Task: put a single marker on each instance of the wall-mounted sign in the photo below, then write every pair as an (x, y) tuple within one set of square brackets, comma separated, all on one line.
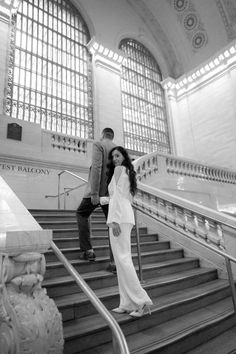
[(23, 169), (14, 131)]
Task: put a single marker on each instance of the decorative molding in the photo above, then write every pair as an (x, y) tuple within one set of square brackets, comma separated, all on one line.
[(105, 57), (7, 8), (227, 10), (200, 76), (191, 23)]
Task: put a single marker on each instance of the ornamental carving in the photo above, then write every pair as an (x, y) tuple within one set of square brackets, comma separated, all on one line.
[(227, 10), (190, 21), (30, 322)]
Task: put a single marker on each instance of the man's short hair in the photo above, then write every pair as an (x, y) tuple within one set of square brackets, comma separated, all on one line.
[(108, 133)]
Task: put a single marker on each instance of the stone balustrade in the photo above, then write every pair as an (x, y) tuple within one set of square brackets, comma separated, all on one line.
[(167, 164), (146, 165), (66, 143), (193, 169), (191, 219)]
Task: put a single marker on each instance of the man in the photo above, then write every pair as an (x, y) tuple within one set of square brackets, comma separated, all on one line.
[(96, 188)]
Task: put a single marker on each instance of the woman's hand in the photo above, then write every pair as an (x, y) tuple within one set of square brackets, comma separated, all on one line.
[(115, 229)]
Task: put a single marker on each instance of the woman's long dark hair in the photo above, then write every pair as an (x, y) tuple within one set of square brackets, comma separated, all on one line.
[(129, 168)]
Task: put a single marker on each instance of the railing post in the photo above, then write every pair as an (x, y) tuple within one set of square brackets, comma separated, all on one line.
[(64, 196), (138, 246), (231, 282), (58, 191)]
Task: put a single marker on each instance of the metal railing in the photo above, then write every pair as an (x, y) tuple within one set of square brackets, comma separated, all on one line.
[(138, 246), (67, 190), (118, 338)]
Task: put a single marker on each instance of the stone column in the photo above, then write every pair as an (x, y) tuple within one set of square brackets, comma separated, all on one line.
[(172, 113), (107, 90)]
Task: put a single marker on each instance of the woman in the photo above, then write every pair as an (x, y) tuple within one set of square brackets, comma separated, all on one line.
[(122, 187)]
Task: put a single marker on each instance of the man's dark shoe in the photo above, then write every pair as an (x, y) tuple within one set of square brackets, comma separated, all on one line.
[(88, 256), (111, 268)]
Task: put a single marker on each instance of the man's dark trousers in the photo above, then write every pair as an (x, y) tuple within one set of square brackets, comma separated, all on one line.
[(83, 213)]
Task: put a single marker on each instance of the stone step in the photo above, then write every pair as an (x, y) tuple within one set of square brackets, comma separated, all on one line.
[(103, 244), (56, 268), (52, 212), (62, 233), (177, 308), (58, 224), (78, 305), (188, 300), (66, 285), (55, 218), (223, 343), (65, 242), (158, 252)]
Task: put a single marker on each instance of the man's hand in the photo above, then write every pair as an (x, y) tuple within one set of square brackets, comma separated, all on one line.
[(95, 199), (115, 229)]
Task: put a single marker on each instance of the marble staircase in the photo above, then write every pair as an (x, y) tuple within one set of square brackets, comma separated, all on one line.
[(191, 304)]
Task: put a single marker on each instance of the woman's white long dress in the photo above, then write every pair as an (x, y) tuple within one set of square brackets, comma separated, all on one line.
[(132, 295)]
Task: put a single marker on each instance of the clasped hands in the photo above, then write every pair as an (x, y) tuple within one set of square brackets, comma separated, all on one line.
[(96, 200)]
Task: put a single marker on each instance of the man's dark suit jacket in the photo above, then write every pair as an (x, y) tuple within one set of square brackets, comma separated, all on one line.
[(97, 181)]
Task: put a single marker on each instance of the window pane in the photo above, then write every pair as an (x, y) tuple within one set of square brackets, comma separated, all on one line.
[(143, 104), (44, 65)]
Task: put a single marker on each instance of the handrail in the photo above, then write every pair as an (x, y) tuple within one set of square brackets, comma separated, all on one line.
[(65, 191), (117, 334), (59, 183), (138, 245)]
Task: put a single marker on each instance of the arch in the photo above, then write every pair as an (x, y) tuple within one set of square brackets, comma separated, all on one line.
[(85, 17), (50, 72), (152, 47), (143, 101)]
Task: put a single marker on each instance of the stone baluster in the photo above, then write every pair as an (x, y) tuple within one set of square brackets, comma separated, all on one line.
[(179, 220)]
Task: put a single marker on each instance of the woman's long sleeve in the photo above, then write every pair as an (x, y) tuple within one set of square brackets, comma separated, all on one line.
[(115, 207), (120, 208)]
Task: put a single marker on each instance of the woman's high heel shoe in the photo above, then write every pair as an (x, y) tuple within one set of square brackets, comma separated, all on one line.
[(141, 311), (118, 310)]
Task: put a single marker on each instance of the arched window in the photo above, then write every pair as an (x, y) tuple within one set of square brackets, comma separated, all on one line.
[(49, 75), (143, 105)]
